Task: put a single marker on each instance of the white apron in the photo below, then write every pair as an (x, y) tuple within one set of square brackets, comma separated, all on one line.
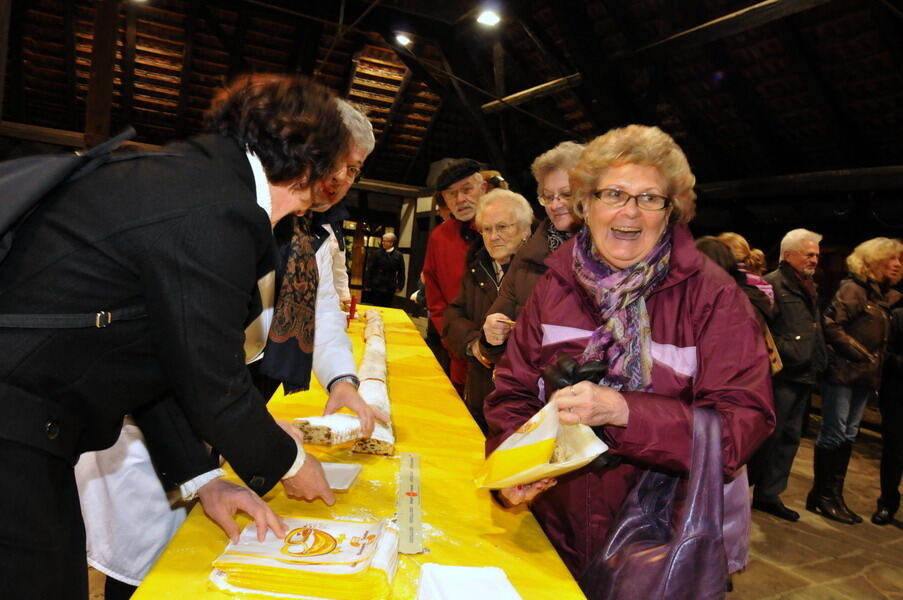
[(128, 518)]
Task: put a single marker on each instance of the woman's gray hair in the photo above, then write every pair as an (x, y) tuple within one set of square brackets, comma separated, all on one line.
[(795, 237), (523, 214), (358, 125), (563, 156)]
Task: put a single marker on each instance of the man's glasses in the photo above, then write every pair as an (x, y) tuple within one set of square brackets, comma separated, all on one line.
[(618, 198), (546, 198)]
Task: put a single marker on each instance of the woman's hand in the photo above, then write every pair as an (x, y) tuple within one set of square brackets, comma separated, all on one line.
[(497, 327), (592, 405), (519, 494)]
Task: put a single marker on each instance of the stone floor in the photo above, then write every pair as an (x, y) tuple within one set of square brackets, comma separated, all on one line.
[(819, 559), (812, 559)]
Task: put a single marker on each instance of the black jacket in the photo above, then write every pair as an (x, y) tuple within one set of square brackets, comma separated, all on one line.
[(796, 328), (180, 234), (385, 271)]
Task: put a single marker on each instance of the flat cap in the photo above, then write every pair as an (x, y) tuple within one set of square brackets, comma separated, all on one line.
[(455, 172)]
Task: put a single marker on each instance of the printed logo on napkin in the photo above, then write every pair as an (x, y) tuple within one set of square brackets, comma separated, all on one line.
[(314, 545)]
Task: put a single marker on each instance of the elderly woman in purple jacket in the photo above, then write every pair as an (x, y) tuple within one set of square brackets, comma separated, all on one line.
[(676, 331)]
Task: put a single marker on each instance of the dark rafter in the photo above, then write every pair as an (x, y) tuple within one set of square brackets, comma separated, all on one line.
[(5, 16), (392, 118), (842, 180), (228, 42), (13, 106), (716, 29), (750, 106), (471, 108), (534, 93), (127, 76), (303, 57), (604, 108), (191, 19), (889, 22), (71, 79), (100, 81), (849, 146), (412, 166), (660, 90)]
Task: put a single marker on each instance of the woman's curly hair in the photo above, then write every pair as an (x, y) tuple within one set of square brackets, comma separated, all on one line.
[(290, 122)]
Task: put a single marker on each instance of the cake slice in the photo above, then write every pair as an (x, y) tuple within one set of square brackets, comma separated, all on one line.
[(329, 430)]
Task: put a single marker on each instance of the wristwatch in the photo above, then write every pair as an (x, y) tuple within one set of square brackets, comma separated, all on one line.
[(352, 379)]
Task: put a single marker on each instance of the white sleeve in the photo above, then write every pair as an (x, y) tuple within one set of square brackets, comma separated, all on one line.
[(339, 271), (332, 346)]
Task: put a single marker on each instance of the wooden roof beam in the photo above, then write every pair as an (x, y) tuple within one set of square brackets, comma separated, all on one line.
[(840, 180), (716, 29), (127, 76), (603, 108), (99, 103)]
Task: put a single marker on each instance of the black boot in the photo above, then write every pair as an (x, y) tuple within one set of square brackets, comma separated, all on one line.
[(844, 452), (821, 497)]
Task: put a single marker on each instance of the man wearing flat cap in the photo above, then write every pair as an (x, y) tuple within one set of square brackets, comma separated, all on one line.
[(460, 185)]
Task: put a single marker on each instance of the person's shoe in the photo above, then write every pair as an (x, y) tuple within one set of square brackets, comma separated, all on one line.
[(777, 509), (882, 516)]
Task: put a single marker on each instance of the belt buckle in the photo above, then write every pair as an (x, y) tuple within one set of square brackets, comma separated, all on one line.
[(103, 319)]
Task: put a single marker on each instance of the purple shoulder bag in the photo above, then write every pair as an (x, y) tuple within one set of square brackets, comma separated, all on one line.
[(667, 543)]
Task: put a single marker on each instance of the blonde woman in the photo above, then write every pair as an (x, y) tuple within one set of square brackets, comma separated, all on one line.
[(747, 261), (631, 289), (856, 326)]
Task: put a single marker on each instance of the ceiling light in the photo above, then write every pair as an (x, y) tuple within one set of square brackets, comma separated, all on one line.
[(403, 39), (489, 18)]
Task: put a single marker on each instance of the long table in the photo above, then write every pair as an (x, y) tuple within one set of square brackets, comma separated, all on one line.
[(462, 524)]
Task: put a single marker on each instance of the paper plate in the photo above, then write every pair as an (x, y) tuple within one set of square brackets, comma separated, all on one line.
[(340, 476)]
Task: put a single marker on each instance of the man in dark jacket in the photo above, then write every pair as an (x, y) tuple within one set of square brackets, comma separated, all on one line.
[(385, 273), (185, 238), (797, 331)]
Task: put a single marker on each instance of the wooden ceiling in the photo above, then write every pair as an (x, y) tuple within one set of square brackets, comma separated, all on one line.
[(769, 98)]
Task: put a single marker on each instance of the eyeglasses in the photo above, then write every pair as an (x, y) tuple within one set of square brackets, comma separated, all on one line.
[(618, 198), (546, 198), (501, 229), (354, 173)]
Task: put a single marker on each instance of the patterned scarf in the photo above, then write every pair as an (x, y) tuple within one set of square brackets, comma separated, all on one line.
[(556, 237), (624, 338), (296, 302)]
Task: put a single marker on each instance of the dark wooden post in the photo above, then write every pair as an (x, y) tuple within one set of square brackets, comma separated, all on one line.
[(99, 106)]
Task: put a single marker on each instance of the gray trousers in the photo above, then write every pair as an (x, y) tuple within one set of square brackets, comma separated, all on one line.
[(771, 464)]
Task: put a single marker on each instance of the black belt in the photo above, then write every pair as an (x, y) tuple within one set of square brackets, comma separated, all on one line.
[(100, 319)]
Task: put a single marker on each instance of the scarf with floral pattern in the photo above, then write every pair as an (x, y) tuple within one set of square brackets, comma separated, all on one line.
[(623, 340)]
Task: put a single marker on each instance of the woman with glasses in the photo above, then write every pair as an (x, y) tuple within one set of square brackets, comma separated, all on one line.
[(674, 329), (550, 170), (503, 219)]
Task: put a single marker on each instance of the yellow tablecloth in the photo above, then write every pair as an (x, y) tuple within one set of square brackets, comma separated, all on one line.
[(462, 525)]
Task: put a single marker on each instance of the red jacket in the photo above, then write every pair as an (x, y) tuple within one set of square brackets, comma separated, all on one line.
[(443, 269), (707, 350)]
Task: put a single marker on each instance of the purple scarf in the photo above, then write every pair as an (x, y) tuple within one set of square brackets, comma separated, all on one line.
[(624, 338)]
